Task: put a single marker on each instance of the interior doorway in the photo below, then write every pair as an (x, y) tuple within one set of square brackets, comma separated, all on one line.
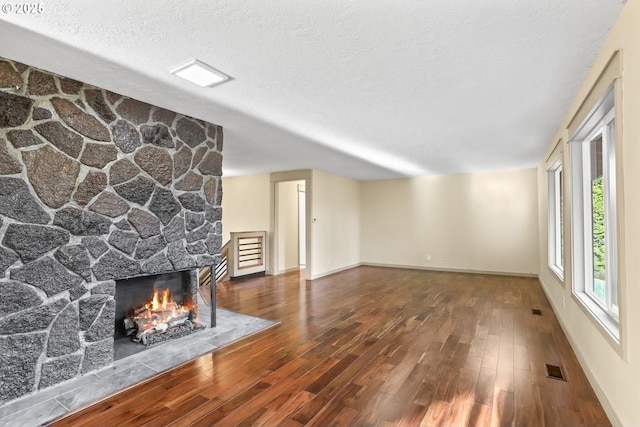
[(290, 227), (302, 229)]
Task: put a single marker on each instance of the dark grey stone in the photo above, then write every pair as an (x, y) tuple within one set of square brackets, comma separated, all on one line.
[(211, 164), (90, 308), (179, 257), (138, 191), (218, 227), (93, 184), (199, 154), (181, 161), (113, 265), (33, 241), (63, 337), (190, 132), (145, 224), (121, 171), (193, 220), (157, 264), (192, 201), (41, 83), (23, 138), (14, 110), (104, 325), (175, 230), (150, 246), (80, 121), (59, 370), (164, 205), (104, 288), (213, 214), (206, 261), (125, 136), (70, 86), (96, 102), (76, 259), (156, 162), (16, 296), (134, 111), (98, 155), (212, 131), (214, 243), (82, 223), (48, 275), (52, 174), (77, 291), (32, 319), (7, 259), (63, 138), (124, 240), (98, 355), (9, 165), (123, 224), (17, 202), (41, 114), (197, 248), (9, 77), (95, 246), (191, 182), (210, 190), (19, 355), (157, 135), (199, 234), (110, 205), (164, 116)]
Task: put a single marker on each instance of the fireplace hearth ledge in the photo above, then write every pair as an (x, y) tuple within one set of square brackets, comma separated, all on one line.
[(52, 403)]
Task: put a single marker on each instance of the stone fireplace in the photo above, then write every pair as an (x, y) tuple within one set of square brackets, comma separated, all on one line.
[(95, 188)]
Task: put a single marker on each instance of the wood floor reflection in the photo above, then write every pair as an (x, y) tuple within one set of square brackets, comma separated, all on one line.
[(373, 346)]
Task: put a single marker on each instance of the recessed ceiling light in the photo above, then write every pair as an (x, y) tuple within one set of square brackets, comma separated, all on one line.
[(200, 73)]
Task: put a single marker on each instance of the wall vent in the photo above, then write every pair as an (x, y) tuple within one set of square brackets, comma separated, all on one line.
[(536, 312)]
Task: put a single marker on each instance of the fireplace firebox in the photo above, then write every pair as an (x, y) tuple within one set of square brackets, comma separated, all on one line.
[(154, 309)]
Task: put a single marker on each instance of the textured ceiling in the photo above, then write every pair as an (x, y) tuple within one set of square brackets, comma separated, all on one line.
[(368, 89)]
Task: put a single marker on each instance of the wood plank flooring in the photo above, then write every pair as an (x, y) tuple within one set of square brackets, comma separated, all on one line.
[(373, 346)]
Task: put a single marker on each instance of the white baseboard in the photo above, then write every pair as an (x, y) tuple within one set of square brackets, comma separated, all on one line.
[(452, 270), (337, 270)]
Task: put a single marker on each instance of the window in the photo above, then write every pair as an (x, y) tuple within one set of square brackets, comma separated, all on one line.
[(556, 222), (593, 162)]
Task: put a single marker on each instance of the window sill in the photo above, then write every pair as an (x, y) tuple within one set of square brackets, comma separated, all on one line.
[(558, 272), (610, 326)]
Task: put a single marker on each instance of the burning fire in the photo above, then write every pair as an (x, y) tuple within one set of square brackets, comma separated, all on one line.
[(160, 310)]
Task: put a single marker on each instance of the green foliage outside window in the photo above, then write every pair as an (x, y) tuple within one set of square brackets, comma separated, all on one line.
[(599, 264)]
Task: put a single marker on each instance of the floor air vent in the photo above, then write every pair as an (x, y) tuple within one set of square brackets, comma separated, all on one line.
[(555, 372), (536, 312)]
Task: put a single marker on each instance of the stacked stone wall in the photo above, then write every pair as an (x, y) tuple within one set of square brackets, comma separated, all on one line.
[(94, 187)]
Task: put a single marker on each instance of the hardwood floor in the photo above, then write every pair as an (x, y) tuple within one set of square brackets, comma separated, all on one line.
[(373, 346)]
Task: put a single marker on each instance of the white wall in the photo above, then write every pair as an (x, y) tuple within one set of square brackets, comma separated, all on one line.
[(287, 224), (613, 372), (473, 222), (246, 204), (335, 208)]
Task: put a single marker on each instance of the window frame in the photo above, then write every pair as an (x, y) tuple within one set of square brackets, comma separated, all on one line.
[(601, 122), (555, 252)]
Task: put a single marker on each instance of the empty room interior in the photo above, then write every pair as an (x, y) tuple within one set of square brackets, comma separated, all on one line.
[(316, 213)]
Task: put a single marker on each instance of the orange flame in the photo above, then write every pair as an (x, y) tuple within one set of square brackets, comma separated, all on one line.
[(162, 309)]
